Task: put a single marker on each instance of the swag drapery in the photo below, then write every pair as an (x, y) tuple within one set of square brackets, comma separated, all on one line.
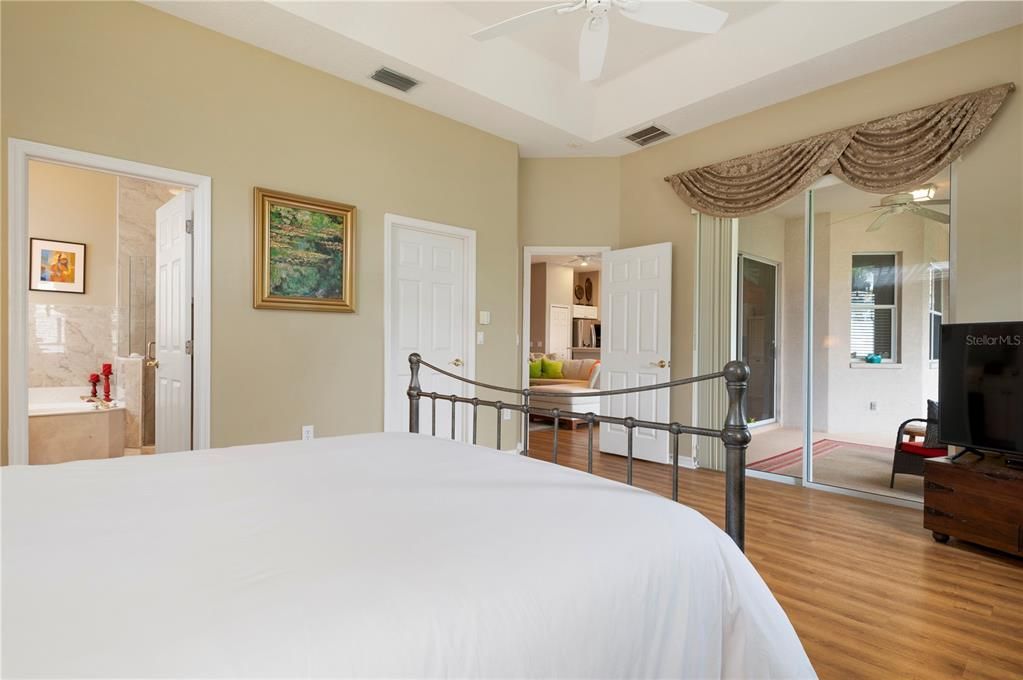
[(888, 155)]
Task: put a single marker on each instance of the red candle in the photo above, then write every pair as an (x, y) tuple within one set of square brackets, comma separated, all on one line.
[(93, 380), (107, 372)]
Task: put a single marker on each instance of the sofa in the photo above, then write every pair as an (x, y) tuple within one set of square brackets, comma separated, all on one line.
[(578, 372), (572, 392)]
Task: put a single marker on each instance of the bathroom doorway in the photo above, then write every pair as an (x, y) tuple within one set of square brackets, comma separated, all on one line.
[(108, 320)]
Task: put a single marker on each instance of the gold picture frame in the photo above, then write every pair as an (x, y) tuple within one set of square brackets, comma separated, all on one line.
[(304, 253)]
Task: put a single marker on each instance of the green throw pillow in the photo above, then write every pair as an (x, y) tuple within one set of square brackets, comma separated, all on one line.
[(534, 369), (550, 369)]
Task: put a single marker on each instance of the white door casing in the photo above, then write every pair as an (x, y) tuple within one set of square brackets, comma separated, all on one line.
[(559, 330), (430, 311), (174, 324), (636, 346)]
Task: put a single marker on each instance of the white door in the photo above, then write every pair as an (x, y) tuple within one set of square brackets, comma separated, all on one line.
[(174, 324), (559, 329), (636, 346), (428, 304)]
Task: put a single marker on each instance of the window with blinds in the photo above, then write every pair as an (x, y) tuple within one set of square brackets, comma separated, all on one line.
[(874, 313)]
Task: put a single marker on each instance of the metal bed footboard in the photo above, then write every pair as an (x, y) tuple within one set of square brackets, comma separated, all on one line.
[(734, 433)]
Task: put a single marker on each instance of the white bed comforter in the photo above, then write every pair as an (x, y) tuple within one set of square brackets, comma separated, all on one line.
[(371, 555)]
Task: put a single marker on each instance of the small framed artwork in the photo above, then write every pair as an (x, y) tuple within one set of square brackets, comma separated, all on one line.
[(304, 253), (56, 266)]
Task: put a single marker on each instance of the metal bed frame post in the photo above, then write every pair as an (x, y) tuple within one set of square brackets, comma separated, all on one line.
[(734, 434), (736, 437), (413, 394)]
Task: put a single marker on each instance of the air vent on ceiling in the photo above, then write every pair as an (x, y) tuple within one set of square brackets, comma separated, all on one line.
[(647, 135), (394, 79)]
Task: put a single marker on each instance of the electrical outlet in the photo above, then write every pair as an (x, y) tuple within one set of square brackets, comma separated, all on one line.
[(308, 432), (873, 406), (506, 415)]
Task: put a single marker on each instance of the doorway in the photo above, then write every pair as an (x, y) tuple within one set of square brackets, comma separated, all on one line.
[(429, 308), (620, 302), (115, 315)]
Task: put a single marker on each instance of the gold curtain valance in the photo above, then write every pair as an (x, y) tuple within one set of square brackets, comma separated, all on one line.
[(887, 155)]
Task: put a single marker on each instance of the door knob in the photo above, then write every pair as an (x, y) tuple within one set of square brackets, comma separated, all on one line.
[(155, 363), (660, 364), (456, 362)]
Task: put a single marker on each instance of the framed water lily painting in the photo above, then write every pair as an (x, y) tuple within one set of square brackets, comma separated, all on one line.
[(304, 253), (56, 266)]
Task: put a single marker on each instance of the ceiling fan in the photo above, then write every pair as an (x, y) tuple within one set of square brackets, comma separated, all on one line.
[(680, 15), (911, 202), (582, 260)]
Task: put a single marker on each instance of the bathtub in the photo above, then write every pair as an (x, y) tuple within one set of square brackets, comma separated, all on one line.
[(62, 427)]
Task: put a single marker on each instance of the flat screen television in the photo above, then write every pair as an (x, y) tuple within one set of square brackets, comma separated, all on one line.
[(980, 386)]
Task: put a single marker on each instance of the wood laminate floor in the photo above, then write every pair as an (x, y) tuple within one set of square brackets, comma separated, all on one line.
[(867, 589)]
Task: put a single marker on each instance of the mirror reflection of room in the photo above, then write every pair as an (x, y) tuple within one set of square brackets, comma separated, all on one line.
[(879, 292)]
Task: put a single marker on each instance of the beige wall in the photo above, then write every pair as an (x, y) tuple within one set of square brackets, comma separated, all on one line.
[(988, 205), (71, 204), (569, 201), (191, 99)]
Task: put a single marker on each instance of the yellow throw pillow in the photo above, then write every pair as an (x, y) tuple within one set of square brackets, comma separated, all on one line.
[(550, 369)]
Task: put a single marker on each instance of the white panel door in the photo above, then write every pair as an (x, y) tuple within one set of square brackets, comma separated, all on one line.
[(174, 325), (636, 346), (559, 329), (428, 316)]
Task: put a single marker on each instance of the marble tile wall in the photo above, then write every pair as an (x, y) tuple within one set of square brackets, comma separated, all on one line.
[(68, 342), (137, 202), (129, 392)]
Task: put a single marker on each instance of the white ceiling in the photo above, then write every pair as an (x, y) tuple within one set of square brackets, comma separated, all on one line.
[(525, 87)]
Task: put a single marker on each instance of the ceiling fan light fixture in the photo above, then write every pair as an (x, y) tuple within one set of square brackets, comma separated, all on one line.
[(924, 193)]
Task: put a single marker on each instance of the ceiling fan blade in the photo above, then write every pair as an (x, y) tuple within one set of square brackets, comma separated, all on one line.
[(522, 20), (932, 215), (879, 222), (934, 201), (593, 48), (853, 217), (681, 15)]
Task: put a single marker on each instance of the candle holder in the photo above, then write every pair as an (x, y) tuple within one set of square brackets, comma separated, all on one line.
[(93, 380), (108, 370)]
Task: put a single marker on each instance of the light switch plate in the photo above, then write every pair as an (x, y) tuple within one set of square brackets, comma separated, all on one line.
[(484, 318), (479, 337)]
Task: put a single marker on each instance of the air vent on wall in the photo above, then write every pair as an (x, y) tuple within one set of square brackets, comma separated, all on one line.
[(394, 79), (647, 135)]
